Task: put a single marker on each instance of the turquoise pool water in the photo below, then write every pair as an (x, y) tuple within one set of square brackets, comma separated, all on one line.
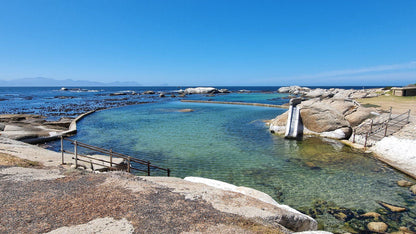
[(231, 143)]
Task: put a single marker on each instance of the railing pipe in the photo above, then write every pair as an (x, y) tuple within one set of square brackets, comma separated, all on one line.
[(62, 150), (128, 164), (353, 136), (365, 143), (111, 158), (371, 126), (408, 116), (390, 113), (76, 154)]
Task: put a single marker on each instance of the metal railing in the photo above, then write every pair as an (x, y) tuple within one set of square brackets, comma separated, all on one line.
[(391, 123), (128, 160)]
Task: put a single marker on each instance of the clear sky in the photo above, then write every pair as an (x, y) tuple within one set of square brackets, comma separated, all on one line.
[(210, 42)]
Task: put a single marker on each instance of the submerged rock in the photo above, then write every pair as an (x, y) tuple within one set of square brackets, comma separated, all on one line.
[(413, 189), (392, 208), (186, 110), (404, 183), (378, 227)]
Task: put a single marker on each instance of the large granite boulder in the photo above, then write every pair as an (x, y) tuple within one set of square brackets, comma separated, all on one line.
[(294, 90), (201, 90), (359, 115), (320, 117), (322, 93), (278, 124), (343, 94)]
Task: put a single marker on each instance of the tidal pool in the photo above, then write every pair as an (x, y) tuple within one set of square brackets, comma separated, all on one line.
[(231, 143)]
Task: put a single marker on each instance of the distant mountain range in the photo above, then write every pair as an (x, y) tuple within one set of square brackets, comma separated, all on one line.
[(42, 81)]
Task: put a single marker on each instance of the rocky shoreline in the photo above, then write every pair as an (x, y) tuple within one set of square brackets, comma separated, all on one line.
[(336, 113)]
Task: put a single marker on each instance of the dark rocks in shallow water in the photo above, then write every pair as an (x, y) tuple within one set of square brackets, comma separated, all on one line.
[(118, 94), (343, 214), (149, 92), (312, 166), (64, 97)]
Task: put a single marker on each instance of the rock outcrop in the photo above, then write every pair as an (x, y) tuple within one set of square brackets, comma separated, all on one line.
[(201, 90), (326, 118), (334, 93), (242, 201), (329, 113)]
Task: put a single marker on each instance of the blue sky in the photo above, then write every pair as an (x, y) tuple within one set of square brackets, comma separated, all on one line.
[(198, 42)]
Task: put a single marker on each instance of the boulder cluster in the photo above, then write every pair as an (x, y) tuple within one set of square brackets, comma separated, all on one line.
[(334, 93), (329, 113)]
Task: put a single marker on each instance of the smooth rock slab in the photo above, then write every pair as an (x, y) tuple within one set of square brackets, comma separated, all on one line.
[(243, 201), (103, 225)]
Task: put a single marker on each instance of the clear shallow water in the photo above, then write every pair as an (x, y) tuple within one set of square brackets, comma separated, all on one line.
[(232, 144)]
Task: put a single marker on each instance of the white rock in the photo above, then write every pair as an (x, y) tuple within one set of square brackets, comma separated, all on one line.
[(399, 152), (201, 90)]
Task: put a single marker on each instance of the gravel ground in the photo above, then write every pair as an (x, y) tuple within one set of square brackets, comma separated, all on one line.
[(39, 206)]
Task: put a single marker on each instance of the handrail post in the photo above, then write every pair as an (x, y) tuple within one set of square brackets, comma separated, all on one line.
[(62, 150), (111, 158), (168, 172), (389, 114), (371, 126), (385, 131), (128, 164), (353, 136), (408, 116), (365, 143), (76, 154), (148, 168)]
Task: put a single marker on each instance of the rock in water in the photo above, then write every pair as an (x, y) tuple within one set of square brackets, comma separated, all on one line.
[(404, 183), (413, 189), (186, 110), (374, 215), (201, 90), (392, 208), (378, 227)]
